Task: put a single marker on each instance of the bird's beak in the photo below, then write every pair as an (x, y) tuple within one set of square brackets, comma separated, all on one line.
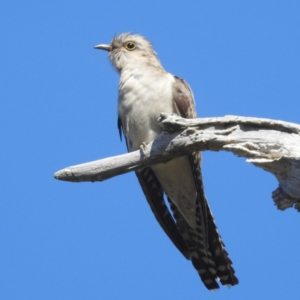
[(103, 47)]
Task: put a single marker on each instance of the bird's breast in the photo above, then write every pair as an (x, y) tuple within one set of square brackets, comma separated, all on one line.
[(142, 97)]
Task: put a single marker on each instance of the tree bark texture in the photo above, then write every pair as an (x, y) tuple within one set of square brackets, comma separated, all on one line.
[(269, 144)]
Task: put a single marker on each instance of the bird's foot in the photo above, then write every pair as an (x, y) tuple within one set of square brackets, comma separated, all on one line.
[(143, 147)]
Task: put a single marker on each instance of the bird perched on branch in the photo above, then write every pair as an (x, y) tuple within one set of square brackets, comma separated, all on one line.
[(146, 90)]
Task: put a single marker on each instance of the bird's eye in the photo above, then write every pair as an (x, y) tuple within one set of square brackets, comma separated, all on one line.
[(130, 46)]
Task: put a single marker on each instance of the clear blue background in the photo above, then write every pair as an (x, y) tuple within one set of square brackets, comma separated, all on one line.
[(61, 240)]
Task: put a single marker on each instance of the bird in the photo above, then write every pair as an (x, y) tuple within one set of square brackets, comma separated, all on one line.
[(145, 90)]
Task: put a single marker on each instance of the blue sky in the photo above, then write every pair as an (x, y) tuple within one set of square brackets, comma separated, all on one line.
[(63, 240)]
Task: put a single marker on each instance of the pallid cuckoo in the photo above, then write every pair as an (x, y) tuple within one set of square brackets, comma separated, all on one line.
[(146, 90)]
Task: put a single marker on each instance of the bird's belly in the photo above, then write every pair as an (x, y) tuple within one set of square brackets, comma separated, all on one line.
[(176, 178), (140, 116)]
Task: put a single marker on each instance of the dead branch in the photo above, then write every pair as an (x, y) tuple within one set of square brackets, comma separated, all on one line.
[(269, 144)]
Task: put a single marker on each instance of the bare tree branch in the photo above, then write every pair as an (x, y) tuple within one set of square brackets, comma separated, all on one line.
[(269, 144)]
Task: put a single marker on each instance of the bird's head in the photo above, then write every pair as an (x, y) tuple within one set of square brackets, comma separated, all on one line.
[(131, 51)]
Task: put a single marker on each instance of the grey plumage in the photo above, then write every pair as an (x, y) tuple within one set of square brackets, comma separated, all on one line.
[(146, 90)]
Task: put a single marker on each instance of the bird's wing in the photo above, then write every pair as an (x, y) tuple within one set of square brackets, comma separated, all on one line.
[(206, 247), (155, 197)]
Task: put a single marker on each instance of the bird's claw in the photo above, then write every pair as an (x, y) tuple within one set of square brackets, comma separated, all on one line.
[(143, 147)]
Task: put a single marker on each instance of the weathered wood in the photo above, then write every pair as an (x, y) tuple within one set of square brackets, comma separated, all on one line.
[(269, 144)]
